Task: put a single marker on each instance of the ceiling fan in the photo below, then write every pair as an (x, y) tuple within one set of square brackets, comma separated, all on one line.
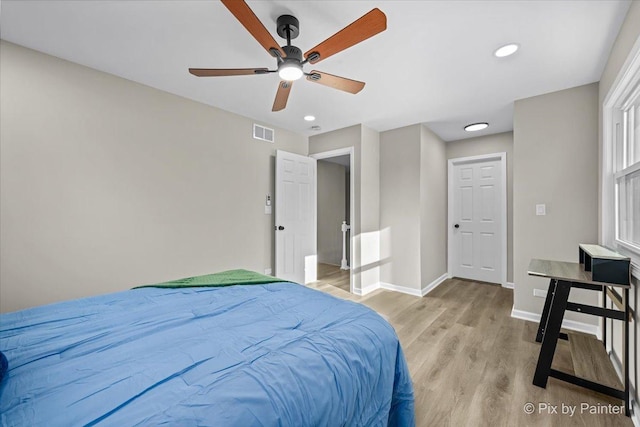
[(289, 58)]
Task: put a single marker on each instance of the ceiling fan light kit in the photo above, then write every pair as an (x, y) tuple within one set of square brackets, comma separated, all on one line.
[(290, 71), (290, 68), (290, 60)]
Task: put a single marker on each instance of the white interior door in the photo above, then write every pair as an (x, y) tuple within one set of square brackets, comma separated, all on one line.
[(477, 218), (295, 217)]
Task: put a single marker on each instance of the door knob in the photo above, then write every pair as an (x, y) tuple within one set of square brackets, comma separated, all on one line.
[(457, 226), (280, 228)]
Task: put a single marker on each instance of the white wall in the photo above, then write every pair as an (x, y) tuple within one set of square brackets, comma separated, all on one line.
[(106, 184), (489, 144), (331, 211), (555, 163)]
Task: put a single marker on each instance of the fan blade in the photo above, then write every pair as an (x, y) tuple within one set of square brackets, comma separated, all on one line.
[(245, 15), (336, 82), (282, 95), (367, 26), (219, 72)]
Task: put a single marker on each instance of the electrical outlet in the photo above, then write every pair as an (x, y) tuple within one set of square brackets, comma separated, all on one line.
[(267, 271)]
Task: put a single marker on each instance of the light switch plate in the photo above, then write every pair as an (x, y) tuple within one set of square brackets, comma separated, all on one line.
[(541, 209), (267, 210)]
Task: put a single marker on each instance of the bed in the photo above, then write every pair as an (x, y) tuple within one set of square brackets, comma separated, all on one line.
[(188, 353)]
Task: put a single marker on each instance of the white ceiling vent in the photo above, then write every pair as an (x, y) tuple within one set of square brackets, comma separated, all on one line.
[(262, 133)]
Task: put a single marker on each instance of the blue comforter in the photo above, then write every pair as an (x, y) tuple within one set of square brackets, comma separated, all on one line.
[(277, 354)]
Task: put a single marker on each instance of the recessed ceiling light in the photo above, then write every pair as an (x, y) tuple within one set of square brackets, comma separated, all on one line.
[(309, 118), (473, 127), (506, 50)]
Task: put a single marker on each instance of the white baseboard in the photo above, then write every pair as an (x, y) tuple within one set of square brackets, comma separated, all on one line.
[(635, 409), (617, 364), (366, 290), (567, 324), (431, 286), (508, 285), (403, 289)]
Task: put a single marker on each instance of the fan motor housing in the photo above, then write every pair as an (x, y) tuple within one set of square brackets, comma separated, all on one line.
[(293, 52), (290, 23)]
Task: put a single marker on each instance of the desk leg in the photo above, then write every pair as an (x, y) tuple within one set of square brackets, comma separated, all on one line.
[(626, 351), (551, 332), (604, 319), (545, 310)]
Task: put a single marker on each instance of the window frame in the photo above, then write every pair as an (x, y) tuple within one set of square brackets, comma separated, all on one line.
[(614, 167)]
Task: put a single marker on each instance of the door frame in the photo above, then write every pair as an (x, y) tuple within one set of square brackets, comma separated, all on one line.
[(502, 157), (335, 153)]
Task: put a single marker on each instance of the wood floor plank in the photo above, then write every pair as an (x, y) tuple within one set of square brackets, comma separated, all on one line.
[(408, 332), (588, 354), (390, 304), (333, 274), (478, 309)]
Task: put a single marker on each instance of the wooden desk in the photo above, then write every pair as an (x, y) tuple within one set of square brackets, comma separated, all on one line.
[(564, 276)]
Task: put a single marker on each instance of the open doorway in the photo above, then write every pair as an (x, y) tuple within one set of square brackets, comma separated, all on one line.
[(334, 214)]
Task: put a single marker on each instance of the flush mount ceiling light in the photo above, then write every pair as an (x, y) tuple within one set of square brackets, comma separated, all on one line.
[(506, 50), (309, 118), (473, 127)]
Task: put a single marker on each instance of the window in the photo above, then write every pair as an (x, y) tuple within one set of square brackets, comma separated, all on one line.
[(621, 162), (627, 174)]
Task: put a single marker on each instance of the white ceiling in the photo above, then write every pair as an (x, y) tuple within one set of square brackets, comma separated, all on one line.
[(434, 64)]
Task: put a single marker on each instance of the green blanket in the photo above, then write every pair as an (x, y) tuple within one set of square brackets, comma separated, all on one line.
[(224, 278)]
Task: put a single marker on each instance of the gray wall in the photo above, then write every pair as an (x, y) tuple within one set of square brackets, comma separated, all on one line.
[(433, 207), (627, 37), (413, 208), (400, 206), (331, 211), (366, 210), (106, 184), (369, 239), (497, 143), (556, 163)]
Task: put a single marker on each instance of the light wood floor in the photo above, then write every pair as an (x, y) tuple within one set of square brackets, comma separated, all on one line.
[(331, 274), (472, 364)]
